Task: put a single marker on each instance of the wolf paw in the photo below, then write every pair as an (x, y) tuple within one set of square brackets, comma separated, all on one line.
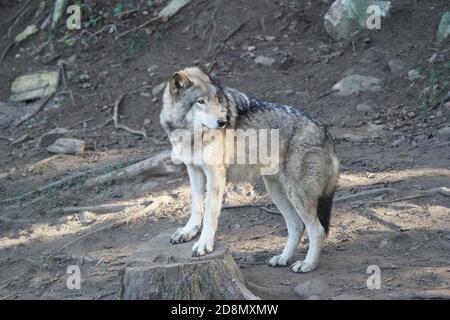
[(303, 267), (278, 261), (183, 235), (202, 247)]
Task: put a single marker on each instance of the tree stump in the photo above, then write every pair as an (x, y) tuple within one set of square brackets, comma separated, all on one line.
[(159, 270)]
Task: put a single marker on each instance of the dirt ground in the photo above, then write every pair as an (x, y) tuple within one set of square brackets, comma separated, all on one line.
[(393, 144)]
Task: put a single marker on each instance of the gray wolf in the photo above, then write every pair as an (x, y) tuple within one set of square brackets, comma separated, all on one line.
[(302, 188)]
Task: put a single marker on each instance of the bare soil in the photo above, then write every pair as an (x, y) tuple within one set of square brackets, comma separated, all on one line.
[(396, 145)]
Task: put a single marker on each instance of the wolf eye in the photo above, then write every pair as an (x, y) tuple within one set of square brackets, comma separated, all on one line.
[(201, 101)]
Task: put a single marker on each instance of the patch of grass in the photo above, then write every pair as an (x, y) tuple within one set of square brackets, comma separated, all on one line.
[(438, 82), (118, 9), (135, 44)]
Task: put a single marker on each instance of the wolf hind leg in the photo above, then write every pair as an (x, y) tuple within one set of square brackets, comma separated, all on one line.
[(294, 224), (307, 209)]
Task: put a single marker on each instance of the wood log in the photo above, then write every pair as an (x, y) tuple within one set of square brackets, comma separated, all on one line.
[(157, 165), (69, 146), (159, 270)]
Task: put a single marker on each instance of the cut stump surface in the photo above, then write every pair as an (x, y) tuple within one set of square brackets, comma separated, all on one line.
[(159, 270)]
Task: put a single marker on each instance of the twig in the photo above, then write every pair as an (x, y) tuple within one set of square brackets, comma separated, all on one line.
[(30, 115), (373, 216), (138, 27), (323, 95), (441, 101), (372, 192), (429, 193), (9, 47), (195, 17), (221, 45), (239, 206), (94, 209), (19, 12), (116, 119)]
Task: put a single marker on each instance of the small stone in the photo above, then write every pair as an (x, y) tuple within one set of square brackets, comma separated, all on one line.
[(312, 287), (396, 66), (314, 297), (413, 74), (443, 32), (348, 296), (263, 60), (356, 83), (398, 141), (364, 107), (444, 132), (158, 89)]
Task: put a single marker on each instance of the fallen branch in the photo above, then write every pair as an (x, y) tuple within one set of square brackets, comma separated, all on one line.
[(159, 164), (57, 184), (138, 27), (429, 193), (9, 47), (94, 209), (369, 214), (441, 101), (362, 194), (116, 119)]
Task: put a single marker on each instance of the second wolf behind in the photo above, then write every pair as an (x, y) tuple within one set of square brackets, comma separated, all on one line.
[(303, 187)]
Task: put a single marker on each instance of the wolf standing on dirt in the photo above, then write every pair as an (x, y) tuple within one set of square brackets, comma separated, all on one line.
[(302, 188)]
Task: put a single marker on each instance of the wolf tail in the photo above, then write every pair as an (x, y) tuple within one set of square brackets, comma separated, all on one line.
[(324, 206)]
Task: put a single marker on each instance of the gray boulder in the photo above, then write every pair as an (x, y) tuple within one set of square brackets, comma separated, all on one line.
[(344, 17), (444, 28)]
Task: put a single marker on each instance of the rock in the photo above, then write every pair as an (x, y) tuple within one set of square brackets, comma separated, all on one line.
[(399, 141), (444, 27), (344, 17), (263, 60), (413, 74), (311, 288), (172, 8), (30, 30), (50, 137), (357, 83), (67, 146), (315, 297), (396, 66), (159, 270), (348, 296), (444, 132), (364, 107), (156, 91), (34, 86)]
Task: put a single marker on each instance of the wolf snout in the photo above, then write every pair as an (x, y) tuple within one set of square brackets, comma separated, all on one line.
[(222, 123)]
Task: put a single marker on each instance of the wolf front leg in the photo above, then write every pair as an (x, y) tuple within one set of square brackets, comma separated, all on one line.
[(197, 180), (215, 187)]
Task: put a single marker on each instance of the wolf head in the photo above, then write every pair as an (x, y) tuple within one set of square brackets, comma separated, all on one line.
[(193, 99)]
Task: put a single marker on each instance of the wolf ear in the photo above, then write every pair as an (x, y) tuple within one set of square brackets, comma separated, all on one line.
[(178, 83), (212, 71)]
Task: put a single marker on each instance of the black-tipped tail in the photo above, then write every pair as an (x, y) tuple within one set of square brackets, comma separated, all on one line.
[(324, 210)]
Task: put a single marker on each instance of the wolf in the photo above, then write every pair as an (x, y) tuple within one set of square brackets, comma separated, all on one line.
[(302, 188)]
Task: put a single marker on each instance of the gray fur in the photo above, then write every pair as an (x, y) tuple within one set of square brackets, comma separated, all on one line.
[(308, 168)]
